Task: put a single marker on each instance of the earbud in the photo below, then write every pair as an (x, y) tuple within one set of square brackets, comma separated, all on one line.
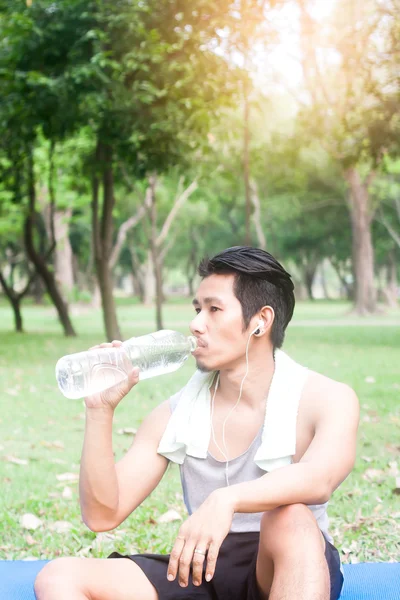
[(259, 328)]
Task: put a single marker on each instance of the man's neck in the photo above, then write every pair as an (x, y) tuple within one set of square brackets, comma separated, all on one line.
[(255, 386)]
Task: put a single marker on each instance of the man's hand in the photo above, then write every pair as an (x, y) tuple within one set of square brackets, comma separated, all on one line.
[(204, 530)]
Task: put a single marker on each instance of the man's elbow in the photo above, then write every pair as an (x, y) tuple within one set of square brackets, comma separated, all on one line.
[(99, 526), (325, 495), (317, 493), (321, 492), (333, 483)]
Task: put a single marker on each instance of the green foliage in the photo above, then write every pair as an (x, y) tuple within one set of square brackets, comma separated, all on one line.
[(159, 82), (350, 66)]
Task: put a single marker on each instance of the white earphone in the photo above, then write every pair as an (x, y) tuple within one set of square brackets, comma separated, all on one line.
[(259, 328)]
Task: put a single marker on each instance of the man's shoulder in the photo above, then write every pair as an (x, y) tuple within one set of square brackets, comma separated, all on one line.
[(324, 393), (317, 383)]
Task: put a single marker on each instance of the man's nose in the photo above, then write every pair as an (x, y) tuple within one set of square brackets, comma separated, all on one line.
[(197, 324)]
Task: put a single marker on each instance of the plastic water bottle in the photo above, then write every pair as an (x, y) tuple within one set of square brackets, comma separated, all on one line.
[(86, 373)]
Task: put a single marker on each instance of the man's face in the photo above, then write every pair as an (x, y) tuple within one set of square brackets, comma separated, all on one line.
[(218, 325)]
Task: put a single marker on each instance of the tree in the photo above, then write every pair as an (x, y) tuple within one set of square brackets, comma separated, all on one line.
[(33, 54), (144, 54), (135, 72), (13, 259), (386, 194), (352, 111)]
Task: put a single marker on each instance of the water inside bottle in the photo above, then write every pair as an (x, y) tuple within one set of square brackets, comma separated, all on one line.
[(156, 360), (87, 373)]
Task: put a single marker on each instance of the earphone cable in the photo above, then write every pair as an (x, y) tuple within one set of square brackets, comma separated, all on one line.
[(229, 413)]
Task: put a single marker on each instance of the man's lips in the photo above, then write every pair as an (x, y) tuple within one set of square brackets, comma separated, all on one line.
[(200, 343)]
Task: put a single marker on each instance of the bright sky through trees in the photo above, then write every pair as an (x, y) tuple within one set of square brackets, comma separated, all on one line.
[(283, 58)]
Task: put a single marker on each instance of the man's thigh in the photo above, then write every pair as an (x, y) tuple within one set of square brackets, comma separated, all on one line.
[(96, 578)]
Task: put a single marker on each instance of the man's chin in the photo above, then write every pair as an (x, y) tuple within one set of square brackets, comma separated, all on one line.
[(202, 367)]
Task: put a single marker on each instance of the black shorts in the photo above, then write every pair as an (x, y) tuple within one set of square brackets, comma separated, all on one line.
[(235, 572)]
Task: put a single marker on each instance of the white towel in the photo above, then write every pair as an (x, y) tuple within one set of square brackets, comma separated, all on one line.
[(189, 427)]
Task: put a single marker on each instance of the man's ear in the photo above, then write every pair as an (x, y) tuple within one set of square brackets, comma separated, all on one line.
[(268, 317)]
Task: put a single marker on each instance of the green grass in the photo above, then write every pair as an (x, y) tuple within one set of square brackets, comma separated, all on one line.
[(364, 512)]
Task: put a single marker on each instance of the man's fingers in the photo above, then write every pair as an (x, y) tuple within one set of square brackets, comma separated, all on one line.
[(113, 344), (174, 558), (198, 561), (212, 556), (184, 563), (133, 377), (103, 345), (183, 555)]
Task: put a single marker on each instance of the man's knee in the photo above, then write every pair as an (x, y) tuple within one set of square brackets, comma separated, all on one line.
[(55, 574), (116, 579), (287, 525), (287, 517)]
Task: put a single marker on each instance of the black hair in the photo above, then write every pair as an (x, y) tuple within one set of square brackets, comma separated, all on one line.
[(260, 280)]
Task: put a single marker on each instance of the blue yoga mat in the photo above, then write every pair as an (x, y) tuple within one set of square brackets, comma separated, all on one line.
[(363, 581)]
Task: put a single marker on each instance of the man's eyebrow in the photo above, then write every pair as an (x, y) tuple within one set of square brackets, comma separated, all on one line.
[(208, 300)]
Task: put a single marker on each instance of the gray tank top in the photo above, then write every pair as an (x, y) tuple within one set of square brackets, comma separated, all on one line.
[(201, 476)]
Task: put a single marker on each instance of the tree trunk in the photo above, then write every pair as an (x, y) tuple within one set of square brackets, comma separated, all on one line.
[(57, 224), (246, 161), (389, 290), (126, 227), (76, 274), (16, 306), (308, 270), (39, 260), (107, 301), (392, 278), (38, 290), (190, 275), (15, 301), (63, 254), (363, 252), (347, 288), (163, 272), (155, 253), (190, 280), (149, 281), (137, 277), (262, 243), (102, 241), (38, 286), (163, 248), (96, 296), (91, 279), (191, 267), (12, 271), (300, 291), (158, 245), (138, 287), (308, 282), (323, 281)]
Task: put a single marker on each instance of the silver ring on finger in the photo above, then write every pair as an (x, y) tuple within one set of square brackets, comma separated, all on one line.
[(200, 551)]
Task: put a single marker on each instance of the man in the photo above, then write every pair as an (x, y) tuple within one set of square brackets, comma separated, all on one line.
[(252, 533)]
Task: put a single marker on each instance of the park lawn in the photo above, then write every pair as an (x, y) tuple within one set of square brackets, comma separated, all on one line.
[(44, 430)]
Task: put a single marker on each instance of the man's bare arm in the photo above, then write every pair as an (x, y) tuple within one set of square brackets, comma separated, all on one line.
[(327, 462), (109, 491)]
